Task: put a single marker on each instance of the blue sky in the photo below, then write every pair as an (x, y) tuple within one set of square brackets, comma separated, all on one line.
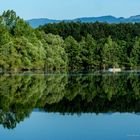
[(69, 9)]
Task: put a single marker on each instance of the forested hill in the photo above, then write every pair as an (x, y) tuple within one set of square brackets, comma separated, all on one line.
[(108, 19), (67, 46)]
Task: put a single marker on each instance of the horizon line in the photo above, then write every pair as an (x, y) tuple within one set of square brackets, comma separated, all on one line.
[(83, 17)]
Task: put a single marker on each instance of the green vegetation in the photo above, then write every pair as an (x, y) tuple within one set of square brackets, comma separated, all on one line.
[(67, 46), (23, 48), (99, 45)]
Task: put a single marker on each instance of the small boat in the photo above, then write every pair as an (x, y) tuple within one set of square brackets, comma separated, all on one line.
[(114, 69)]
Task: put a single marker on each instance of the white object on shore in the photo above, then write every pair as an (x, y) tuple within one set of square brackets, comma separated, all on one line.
[(114, 69)]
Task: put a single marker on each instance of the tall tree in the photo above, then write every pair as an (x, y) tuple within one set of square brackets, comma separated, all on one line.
[(73, 50), (135, 54), (56, 57), (110, 53)]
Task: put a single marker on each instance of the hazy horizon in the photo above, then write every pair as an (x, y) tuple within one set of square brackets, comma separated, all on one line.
[(64, 9), (80, 17)]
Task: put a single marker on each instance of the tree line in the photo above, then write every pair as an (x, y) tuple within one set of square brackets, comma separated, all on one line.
[(101, 45), (67, 46)]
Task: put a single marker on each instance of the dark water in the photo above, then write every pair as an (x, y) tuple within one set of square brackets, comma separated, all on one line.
[(70, 106)]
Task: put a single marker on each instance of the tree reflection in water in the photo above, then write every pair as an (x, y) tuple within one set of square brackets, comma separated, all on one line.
[(79, 93)]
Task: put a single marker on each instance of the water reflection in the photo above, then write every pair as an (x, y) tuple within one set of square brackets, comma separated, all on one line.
[(67, 94)]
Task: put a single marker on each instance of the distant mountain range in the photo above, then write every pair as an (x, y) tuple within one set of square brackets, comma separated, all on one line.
[(108, 19)]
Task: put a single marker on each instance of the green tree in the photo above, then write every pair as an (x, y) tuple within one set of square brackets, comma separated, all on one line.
[(9, 19), (73, 51), (56, 57), (135, 54), (110, 53), (89, 52)]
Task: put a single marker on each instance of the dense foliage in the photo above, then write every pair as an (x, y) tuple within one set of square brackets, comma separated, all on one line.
[(119, 31), (22, 47), (67, 45), (99, 45)]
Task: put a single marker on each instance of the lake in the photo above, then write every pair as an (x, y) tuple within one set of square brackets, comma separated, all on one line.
[(75, 106)]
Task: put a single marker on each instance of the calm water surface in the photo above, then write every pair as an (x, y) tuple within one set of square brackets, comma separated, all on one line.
[(70, 106)]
